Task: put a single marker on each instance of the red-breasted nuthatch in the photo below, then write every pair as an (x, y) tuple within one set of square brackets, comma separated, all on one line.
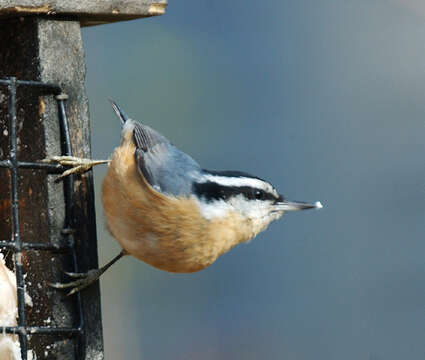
[(167, 211)]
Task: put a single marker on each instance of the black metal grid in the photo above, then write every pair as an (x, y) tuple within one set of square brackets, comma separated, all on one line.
[(16, 244)]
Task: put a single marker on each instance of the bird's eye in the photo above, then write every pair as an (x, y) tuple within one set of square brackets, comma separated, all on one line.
[(259, 195)]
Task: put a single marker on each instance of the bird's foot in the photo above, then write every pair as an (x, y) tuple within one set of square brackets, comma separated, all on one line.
[(78, 165), (82, 280)]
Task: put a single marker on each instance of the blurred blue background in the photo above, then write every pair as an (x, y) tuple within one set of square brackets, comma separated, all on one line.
[(325, 99)]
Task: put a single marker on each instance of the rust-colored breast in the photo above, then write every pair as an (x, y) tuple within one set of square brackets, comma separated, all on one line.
[(166, 232)]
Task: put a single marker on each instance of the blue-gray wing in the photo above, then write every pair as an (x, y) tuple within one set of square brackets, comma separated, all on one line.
[(165, 168)]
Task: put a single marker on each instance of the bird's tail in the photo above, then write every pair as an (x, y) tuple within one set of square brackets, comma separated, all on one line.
[(120, 113)]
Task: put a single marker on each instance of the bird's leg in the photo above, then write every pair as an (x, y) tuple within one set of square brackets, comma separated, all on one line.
[(85, 279), (79, 165)]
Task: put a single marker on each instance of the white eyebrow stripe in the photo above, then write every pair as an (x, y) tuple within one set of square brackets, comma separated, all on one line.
[(239, 181)]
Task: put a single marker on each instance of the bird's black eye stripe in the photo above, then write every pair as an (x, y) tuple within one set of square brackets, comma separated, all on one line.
[(211, 191)]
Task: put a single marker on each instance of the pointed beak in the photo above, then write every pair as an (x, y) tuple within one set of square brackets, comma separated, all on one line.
[(285, 205)]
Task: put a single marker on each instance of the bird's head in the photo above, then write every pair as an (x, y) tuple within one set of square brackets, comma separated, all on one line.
[(254, 199)]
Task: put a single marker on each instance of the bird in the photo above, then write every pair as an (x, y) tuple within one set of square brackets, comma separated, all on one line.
[(166, 210)]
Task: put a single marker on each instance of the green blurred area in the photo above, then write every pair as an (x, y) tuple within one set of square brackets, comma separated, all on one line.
[(325, 100)]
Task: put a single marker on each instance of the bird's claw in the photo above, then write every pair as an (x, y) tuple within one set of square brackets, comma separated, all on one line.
[(78, 165), (75, 275), (83, 281)]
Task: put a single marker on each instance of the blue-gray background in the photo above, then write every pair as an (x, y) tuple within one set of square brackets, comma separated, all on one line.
[(326, 99)]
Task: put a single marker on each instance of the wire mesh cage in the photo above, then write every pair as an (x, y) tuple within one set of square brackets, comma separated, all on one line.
[(34, 325)]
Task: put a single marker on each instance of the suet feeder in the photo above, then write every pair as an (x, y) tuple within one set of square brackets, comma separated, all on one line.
[(49, 227)]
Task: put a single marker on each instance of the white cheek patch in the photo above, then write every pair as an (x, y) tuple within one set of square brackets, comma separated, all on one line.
[(252, 209), (258, 212), (212, 210), (249, 208)]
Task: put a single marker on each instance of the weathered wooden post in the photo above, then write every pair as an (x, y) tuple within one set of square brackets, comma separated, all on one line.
[(50, 227)]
